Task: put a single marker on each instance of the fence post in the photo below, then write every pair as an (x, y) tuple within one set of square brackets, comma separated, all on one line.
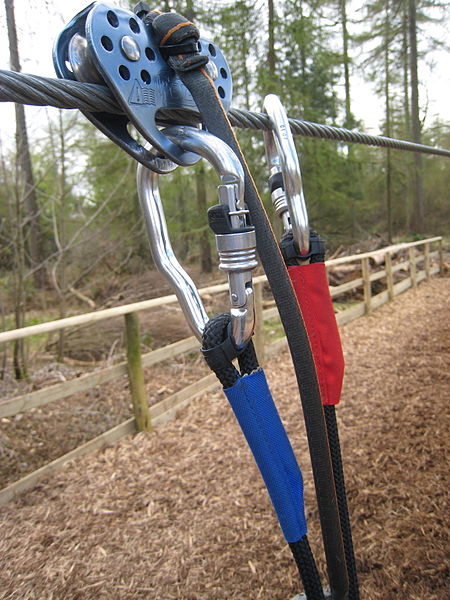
[(367, 287), (441, 258), (136, 373), (389, 275), (412, 266), (426, 252), (259, 321)]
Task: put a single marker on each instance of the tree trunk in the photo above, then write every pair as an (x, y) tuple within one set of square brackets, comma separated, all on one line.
[(62, 235), (419, 197), (3, 347), (205, 246), (387, 41), (405, 66), (34, 237), (407, 116), (349, 120), (271, 56), (22, 196), (245, 73), (19, 354), (302, 48), (181, 202), (189, 11)]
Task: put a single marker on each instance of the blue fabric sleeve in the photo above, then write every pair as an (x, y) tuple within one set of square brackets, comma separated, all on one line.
[(258, 417)]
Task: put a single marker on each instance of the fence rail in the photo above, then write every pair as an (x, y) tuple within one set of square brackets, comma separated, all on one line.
[(145, 417)]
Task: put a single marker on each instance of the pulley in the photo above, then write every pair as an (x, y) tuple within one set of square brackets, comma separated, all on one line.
[(115, 47)]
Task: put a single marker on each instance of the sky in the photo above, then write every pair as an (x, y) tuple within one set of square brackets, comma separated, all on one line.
[(40, 21)]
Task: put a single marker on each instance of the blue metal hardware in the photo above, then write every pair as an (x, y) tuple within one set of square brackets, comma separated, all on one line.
[(110, 45)]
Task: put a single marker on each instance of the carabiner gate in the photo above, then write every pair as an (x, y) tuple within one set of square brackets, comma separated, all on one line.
[(235, 239)]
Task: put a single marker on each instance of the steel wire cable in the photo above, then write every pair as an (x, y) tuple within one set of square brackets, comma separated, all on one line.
[(63, 93)]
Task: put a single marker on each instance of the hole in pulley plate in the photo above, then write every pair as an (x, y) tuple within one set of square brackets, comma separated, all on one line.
[(145, 76), (112, 18), (124, 72), (107, 43), (134, 25), (149, 53)]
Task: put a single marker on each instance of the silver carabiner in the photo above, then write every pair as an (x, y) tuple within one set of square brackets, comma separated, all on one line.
[(237, 250), (282, 158)]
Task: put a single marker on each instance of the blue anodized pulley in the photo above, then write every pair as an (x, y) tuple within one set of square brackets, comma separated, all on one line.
[(113, 46)]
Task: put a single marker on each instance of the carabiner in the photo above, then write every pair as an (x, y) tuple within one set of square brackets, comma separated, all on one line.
[(285, 175), (236, 246)]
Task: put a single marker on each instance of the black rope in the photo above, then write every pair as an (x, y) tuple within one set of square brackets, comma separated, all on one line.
[(63, 93), (341, 494), (248, 361), (301, 551), (214, 334)]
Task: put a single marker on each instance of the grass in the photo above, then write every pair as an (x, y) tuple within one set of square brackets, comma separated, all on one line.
[(273, 329), (340, 306)]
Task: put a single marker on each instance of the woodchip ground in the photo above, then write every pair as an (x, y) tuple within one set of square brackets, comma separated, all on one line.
[(182, 514)]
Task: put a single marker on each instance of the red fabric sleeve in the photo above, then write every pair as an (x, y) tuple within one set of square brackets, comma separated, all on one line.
[(311, 288)]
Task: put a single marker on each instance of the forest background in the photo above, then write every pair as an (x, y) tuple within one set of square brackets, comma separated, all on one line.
[(69, 212)]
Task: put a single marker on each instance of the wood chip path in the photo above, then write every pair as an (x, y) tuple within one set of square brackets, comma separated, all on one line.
[(182, 514)]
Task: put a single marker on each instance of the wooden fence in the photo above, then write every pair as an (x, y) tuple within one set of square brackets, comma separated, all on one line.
[(421, 263)]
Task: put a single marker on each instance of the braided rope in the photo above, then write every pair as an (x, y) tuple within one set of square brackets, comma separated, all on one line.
[(341, 494), (310, 577), (63, 93), (214, 334)]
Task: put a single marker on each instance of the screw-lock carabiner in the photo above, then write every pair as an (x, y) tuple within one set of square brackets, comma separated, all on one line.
[(288, 199), (236, 242)]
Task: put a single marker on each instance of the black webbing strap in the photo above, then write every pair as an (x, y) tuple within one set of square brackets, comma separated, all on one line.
[(193, 74)]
